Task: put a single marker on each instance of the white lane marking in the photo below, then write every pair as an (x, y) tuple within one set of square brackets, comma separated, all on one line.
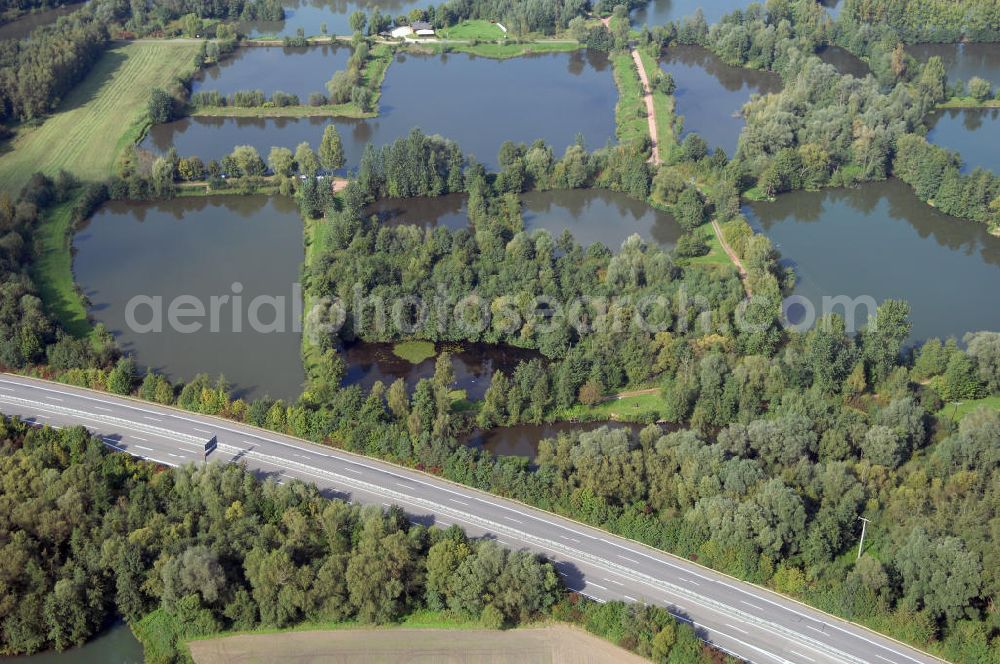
[(596, 585), (52, 398), (143, 447), (353, 470), (6, 389), (759, 608), (141, 438), (201, 430), (798, 654), (663, 559), (818, 629), (106, 410), (44, 417), (510, 518), (631, 560), (154, 419), (570, 539), (405, 486), (619, 583), (630, 598), (460, 502), (736, 628), (112, 442), (173, 455), (683, 580), (885, 658)]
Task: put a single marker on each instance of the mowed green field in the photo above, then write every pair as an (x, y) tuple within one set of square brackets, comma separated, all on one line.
[(99, 117)]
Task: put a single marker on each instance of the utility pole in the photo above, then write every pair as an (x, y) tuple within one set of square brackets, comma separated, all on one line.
[(861, 546)]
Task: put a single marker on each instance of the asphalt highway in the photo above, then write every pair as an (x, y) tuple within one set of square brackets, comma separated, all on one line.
[(750, 622)]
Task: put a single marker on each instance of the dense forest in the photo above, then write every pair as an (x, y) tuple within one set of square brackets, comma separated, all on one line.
[(784, 437), (777, 439), (87, 534), (930, 20)]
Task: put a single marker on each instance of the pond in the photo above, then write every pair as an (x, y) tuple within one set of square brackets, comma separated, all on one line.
[(478, 102), (845, 61), (879, 240), (117, 645), (21, 27), (310, 15), (591, 215), (833, 7), (711, 94), (522, 439), (973, 133), (270, 69), (658, 12), (236, 249), (473, 364), (962, 61)]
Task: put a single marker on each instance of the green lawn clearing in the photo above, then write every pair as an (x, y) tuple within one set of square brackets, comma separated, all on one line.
[(475, 29), (104, 113)]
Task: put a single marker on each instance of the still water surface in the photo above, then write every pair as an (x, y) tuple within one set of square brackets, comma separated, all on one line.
[(973, 133), (117, 645), (270, 69), (845, 61), (658, 12), (20, 28), (963, 61), (473, 364), (310, 15), (880, 240), (591, 215), (711, 94), (199, 247), (478, 102)]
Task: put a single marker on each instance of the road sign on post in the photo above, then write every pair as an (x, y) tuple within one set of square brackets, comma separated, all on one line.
[(210, 446)]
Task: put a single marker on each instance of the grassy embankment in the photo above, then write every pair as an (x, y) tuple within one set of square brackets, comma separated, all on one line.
[(969, 102), (633, 125), (372, 78), (956, 411), (630, 118), (503, 50), (102, 115), (663, 107)]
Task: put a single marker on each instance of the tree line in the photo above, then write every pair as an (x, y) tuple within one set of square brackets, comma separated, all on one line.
[(916, 21), (37, 73)]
